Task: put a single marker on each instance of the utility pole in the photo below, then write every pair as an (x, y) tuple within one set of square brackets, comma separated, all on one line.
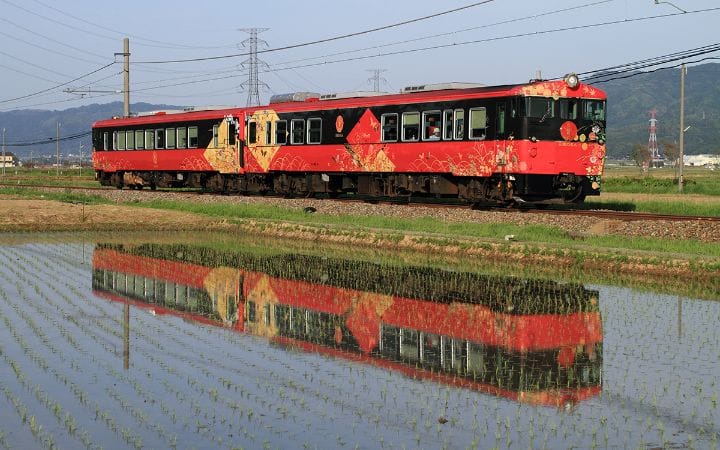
[(3, 152), (126, 76), (253, 83), (81, 156), (683, 71), (376, 78), (57, 150)]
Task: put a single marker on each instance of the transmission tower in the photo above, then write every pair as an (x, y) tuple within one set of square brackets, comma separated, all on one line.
[(252, 85), (653, 147), (376, 78)]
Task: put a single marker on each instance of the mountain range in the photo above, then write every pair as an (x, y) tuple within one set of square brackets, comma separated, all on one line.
[(631, 97)]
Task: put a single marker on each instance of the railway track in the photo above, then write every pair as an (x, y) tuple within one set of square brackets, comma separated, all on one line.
[(601, 213)]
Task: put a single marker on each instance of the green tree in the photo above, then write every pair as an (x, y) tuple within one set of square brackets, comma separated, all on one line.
[(672, 154), (641, 155)]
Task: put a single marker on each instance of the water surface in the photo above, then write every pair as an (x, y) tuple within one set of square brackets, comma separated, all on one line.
[(179, 345)]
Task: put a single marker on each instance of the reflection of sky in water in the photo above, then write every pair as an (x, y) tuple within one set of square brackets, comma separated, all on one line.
[(207, 386)]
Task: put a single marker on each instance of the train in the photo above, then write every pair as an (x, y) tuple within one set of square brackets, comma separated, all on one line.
[(533, 341), (538, 142)]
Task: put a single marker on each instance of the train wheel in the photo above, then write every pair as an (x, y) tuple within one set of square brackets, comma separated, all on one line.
[(118, 180)]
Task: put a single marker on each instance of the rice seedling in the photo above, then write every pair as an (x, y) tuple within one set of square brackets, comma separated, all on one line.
[(207, 384)]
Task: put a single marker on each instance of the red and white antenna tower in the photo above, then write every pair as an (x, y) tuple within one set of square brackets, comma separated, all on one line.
[(653, 148)]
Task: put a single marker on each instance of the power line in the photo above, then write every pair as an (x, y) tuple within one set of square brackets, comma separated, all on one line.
[(464, 30), (161, 44), (71, 137), (322, 41), (616, 71), (57, 86), (35, 33), (454, 44)]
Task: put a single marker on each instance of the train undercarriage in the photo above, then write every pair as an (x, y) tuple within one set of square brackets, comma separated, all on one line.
[(497, 189)]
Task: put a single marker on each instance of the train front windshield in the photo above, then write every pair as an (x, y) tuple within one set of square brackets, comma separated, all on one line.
[(594, 109)]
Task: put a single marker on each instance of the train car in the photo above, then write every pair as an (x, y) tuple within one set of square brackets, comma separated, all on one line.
[(541, 142), (542, 344)]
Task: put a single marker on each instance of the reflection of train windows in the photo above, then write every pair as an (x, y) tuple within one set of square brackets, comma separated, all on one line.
[(430, 352), (251, 314), (410, 345), (476, 360), (169, 298)]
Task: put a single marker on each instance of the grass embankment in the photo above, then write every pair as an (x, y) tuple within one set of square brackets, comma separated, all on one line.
[(440, 231), (669, 265)]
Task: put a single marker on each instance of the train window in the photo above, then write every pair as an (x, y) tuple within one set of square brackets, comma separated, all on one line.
[(431, 125), (149, 139), (594, 109), (182, 137), (411, 126), (459, 124), (569, 108), (115, 140), (139, 139), (540, 107), (106, 138), (130, 140), (389, 126), (409, 344), (297, 131), (501, 119), (193, 137), (281, 132), (159, 138), (314, 132), (478, 123), (121, 140), (268, 133), (232, 132), (170, 137), (252, 132), (215, 135), (448, 124)]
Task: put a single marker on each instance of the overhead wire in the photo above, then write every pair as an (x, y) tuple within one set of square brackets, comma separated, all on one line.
[(158, 44), (8, 100), (54, 52), (412, 50), (464, 30), (322, 41), (456, 44), (70, 137), (47, 38)]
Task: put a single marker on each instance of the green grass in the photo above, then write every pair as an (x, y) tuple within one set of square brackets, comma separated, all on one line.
[(67, 196), (697, 180), (678, 208), (439, 230)]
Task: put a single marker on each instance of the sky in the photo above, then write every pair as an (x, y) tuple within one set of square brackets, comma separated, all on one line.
[(60, 54)]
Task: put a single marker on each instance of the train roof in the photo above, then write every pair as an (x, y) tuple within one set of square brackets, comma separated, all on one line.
[(309, 101)]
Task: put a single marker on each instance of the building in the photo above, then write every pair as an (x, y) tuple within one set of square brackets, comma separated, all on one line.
[(701, 160), (8, 159)]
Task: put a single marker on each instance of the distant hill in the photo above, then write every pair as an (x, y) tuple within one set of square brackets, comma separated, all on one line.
[(631, 99), (31, 125), (629, 102)]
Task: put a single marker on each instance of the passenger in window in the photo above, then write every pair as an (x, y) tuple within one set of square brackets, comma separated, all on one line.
[(433, 132), (391, 128)]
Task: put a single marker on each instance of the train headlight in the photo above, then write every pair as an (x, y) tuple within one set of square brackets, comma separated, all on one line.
[(572, 80)]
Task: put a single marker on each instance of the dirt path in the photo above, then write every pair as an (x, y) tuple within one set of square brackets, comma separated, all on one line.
[(48, 215)]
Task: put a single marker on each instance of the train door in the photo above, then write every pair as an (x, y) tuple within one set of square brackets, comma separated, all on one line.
[(239, 139), (501, 135)]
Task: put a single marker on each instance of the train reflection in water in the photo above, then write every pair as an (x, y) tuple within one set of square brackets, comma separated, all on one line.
[(535, 341)]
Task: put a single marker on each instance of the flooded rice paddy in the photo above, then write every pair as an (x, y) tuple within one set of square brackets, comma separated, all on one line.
[(178, 345)]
